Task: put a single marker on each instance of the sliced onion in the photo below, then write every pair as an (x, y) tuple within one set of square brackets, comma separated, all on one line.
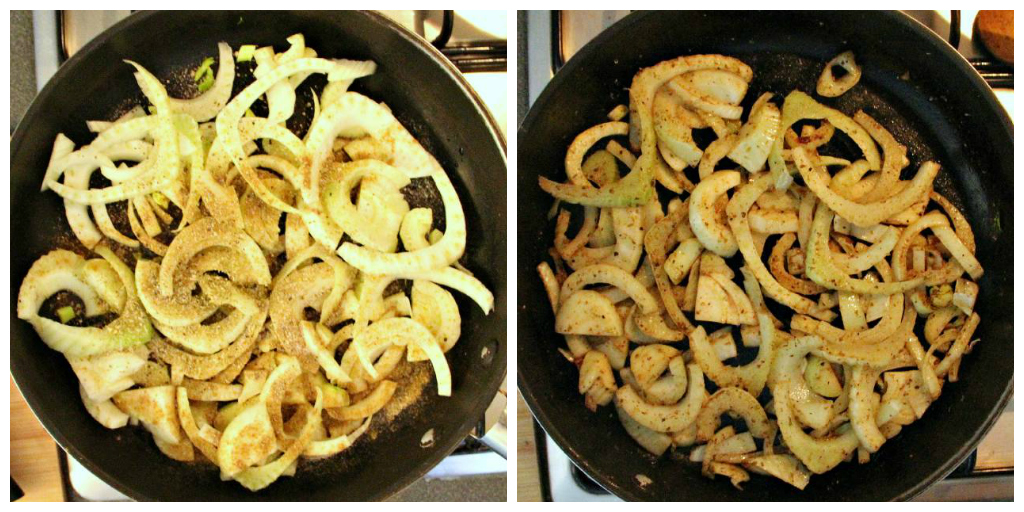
[(104, 411), (629, 237), (377, 228), (959, 347), (205, 234), (373, 340), (614, 276), (722, 86), (257, 478), (167, 151), (694, 87), (350, 111), (673, 124), (196, 167), (49, 275), (830, 86), (435, 308), (654, 442), (735, 401), (867, 258), (181, 308), (140, 233), (296, 235), (774, 222), (705, 221), (188, 425), (755, 139), (868, 214), (456, 280), (656, 242), (105, 281), (812, 137), (206, 106), (960, 251), (229, 118), (208, 339), (787, 280), (738, 207), (575, 251), (436, 257), (963, 228), (306, 287), (947, 274), (751, 376), (323, 356), (415, 228), (819, 455), (824, 272), (784, 467), (155, 408), (798, 106), (368, 406), (261, 221), (621, 153), (335, 445), (895, 159), (203, 367), (714, 153), (146, 215), (62, 147), (77, 177), (665, 418), (636, 187), (589, 313), (582, 144)]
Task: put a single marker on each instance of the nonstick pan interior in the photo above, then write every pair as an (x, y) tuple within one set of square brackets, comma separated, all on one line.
[(915, 85), (426, 93)]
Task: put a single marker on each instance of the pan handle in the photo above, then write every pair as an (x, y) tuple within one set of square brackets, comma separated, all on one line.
[(447, 22), (492, 430), (557, 59), (497, 438), (954, 29)]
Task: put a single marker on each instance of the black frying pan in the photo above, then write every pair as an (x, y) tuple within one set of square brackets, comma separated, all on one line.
[(426, 93), (913, 83)]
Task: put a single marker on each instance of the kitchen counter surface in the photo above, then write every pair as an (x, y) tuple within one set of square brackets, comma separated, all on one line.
[(23, 68)]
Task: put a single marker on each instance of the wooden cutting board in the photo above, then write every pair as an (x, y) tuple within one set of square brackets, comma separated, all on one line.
[(33, 454), (527, 473)]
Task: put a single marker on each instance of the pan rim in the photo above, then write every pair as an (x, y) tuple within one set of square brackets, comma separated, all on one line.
[(498, 367), (944, 49)]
